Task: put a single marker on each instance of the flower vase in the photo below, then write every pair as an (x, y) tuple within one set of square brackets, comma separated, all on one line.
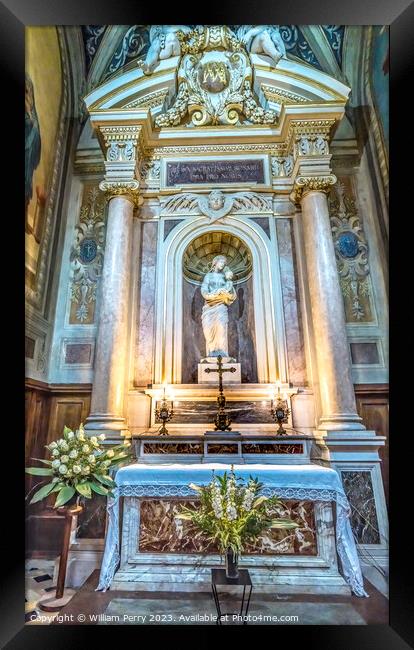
[(232, 571)]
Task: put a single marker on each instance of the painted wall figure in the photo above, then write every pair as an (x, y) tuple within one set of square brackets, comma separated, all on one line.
[(33, 144)]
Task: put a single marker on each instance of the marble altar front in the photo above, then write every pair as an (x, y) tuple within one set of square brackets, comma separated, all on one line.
[(154, 552)]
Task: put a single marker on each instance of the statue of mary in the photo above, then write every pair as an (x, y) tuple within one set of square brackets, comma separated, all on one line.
[(218, 292)]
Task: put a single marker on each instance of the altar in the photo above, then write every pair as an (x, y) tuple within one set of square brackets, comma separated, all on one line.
[(222, 241), (141, 514)]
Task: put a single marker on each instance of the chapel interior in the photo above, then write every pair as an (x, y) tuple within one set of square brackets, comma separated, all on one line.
[(169, 163)]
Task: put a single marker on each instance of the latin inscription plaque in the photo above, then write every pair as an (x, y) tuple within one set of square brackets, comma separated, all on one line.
[(214, 171)]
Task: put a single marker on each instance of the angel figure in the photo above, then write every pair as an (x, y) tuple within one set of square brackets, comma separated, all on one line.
[(216, 205), (263, 39), (164, 44)]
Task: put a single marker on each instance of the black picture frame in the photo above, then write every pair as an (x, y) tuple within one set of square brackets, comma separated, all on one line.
[(399, 14)]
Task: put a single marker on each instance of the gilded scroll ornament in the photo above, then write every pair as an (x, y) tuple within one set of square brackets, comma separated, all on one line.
[(214, 82)]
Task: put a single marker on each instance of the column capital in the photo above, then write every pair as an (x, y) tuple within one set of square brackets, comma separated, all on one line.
[(127, 188), (120, 141), (310, 137), (305, 184)]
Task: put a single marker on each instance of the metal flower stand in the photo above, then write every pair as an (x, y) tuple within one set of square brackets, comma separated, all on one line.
[(218, 577)]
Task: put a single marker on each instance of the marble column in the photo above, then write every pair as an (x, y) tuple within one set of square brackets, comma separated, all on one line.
[(107, 406), (328, 317)]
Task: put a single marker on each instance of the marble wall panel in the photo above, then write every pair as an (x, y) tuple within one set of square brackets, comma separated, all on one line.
[(173, 448), (146, 305), (241, 332), (359, 490), (366, 353), (29, 347), (242, 412), (169, 225), (263, 222), (291, 304), (92, 520), (161, 532), (78, 353)]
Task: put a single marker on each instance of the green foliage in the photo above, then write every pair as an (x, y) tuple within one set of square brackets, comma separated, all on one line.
[(84, 489), (42, 493), (231, 514), (79, 465), (39, 471), (64, 495)]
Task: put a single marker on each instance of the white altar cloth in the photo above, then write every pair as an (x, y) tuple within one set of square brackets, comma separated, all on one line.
[(303, 482)]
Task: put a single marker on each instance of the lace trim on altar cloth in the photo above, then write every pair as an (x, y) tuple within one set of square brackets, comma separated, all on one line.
[(345, 542), (302, 494)]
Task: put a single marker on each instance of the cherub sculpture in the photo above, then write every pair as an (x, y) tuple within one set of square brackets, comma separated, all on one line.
[(263, 39), (216, 205), (164, 44)]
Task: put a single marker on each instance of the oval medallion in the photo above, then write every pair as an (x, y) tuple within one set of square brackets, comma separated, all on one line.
[(88, 250), (348, 244)]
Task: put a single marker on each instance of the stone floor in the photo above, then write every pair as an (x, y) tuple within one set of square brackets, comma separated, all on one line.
[(39, 581), (89, 607)]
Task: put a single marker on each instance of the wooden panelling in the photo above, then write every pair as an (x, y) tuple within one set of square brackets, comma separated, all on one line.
[(48, 408), (67, 410), (372, 405)]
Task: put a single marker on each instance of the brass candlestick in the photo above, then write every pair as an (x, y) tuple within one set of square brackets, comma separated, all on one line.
[(163, 414), (280, 413)]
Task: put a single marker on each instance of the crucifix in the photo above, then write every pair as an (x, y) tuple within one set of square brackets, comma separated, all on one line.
[(222, 421)]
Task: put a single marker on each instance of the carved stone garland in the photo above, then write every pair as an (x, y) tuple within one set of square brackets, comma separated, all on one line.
[(351, 249), (86, 257)]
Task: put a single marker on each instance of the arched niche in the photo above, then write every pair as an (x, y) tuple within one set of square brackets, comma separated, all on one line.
[(269, 331), (197, 260)]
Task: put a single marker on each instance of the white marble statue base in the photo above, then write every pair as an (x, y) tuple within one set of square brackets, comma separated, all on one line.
[(212, 377)]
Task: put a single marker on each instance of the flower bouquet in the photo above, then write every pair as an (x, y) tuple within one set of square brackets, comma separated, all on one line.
[(78, 466), (232, 514)]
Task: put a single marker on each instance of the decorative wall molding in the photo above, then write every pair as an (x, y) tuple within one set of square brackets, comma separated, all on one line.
[(150, 172), (225, 149), (216, 204), (282, 165), (281, 96), (149, 100), (77, 352)]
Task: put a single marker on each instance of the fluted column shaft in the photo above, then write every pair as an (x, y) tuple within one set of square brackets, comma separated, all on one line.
[(107, 406), (328, 317)]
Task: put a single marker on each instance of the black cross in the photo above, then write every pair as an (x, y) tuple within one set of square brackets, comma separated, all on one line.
[(220, 371), (222, 421)]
